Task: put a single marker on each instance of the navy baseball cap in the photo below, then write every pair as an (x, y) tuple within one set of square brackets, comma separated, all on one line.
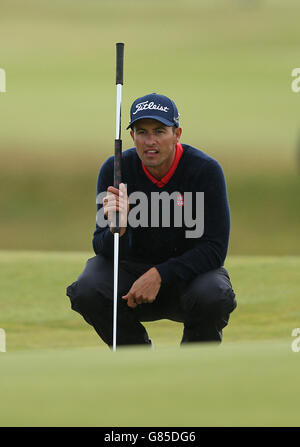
[(156, 107)]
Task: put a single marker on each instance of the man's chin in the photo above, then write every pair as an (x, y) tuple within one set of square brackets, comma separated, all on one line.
[(151, 163)]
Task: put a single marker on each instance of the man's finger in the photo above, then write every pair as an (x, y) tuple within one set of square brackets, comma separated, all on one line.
[(112, 208), (139, 300), (123, 190), (111, 199), (113, 190), (130, 300), (131, 303)]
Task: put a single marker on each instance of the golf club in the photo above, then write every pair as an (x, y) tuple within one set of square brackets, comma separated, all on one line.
[(117, 180)]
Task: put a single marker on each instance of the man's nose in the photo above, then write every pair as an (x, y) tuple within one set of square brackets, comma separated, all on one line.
[(150, 139)]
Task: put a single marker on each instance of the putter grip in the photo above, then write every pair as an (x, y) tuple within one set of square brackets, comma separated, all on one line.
[(117, 177), (117, 163), (119, 63)]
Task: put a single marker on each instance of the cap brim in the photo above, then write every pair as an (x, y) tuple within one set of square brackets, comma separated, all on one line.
[(158, 118)]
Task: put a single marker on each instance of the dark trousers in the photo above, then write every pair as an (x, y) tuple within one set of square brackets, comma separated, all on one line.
[(202, 305)]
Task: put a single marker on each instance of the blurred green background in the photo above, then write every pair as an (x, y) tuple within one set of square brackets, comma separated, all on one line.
[(227, 65)]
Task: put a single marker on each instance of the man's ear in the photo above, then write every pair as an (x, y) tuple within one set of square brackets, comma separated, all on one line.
[(132, 134), (178, 132)]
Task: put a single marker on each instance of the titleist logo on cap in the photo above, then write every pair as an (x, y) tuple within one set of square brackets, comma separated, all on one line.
[(150, 105)]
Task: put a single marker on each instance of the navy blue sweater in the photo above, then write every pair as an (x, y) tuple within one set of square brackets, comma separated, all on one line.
[(168, 249)]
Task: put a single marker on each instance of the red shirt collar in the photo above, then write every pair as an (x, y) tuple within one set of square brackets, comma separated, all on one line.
[(162, 182)]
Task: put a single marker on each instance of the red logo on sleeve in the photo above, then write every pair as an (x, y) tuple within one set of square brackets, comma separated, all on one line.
[(180, 200)]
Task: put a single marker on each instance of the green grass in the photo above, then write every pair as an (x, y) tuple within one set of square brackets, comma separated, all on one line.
[(236, 384), (36, 313), (57, 372)]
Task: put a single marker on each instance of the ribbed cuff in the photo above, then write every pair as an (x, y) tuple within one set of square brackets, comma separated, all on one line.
[(167, 274), (124, 243)]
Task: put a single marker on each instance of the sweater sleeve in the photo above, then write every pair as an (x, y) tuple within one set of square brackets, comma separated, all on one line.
[(103, 238), (209, 250)]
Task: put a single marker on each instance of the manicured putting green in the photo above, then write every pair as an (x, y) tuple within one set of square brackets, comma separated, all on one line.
[(56, 371), (235, 384), (36, 314)]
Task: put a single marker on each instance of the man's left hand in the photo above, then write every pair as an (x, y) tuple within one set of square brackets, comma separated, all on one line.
[(145, 289)]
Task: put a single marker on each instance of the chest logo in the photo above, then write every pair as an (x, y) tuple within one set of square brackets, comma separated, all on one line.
[(180, 200)]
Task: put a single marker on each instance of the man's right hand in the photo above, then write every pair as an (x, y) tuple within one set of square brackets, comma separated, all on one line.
[(116, 200)]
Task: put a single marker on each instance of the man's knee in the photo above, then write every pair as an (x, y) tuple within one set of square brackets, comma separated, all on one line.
[(84, 296), (92, 286), (210, 294)]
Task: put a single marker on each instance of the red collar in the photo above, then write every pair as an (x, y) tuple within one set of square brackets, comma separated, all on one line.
[(169, 174)]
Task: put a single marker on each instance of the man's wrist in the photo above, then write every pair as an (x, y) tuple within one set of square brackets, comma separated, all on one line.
[(158, 274)]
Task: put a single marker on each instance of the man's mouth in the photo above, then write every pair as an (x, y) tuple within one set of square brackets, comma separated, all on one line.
[(151, 151)]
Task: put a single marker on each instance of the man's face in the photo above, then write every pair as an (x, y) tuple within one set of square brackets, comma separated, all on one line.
[(155, 143)]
